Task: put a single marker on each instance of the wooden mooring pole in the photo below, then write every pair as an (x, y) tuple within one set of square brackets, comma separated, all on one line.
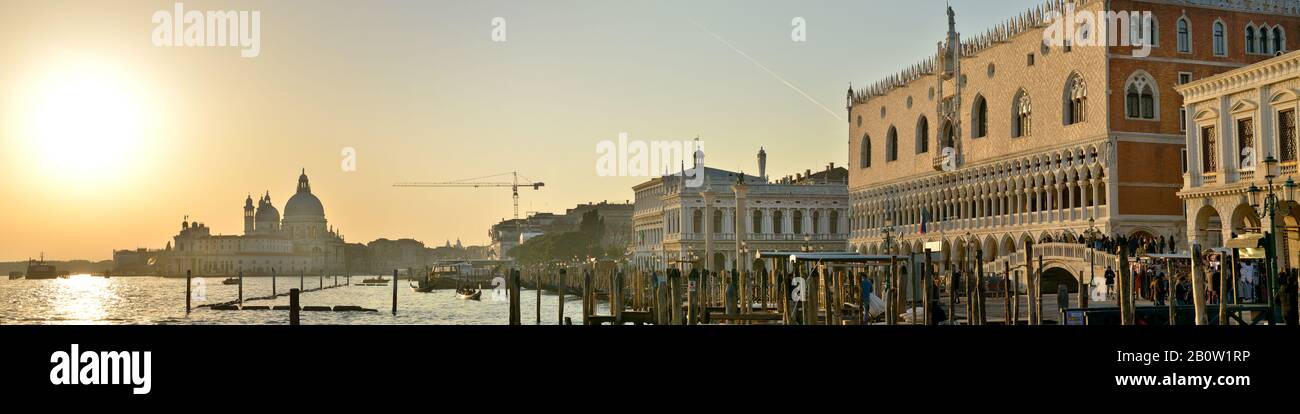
[(560, 288), (293, 306), (241, 288), (394, 292), (272, 282), (513, 285), (188, 293)]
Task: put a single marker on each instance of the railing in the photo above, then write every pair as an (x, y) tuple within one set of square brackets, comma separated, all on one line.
[(757, 237)]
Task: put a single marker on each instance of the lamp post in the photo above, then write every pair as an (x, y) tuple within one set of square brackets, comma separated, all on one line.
[(1271, 206), (1092, 235)]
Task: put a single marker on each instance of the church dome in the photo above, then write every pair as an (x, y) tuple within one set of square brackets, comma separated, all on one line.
[(266, 212), (304, 204)]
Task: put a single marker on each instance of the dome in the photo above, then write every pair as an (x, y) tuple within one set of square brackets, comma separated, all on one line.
[(266, 212), (304, 204)]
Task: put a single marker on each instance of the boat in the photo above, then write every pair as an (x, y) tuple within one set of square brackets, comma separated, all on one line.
[(37, 270), (425, 285), (375, 281), (15, 275), (468, 294), (230, 281)]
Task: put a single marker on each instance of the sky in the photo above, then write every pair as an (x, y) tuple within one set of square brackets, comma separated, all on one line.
[(108, 141)]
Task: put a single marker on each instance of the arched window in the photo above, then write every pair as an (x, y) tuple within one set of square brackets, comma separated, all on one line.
[(1250, 39), (797, 221), (756, 221), (1264, 43), (1279, 40), (1075, 100), (816, 222), (891, 145), (922, 135), (1141, 97), (864, 156), (1220, 39), (979, 119), (1184, 35), (697, 221), (1021, 119), (835, 222), (1144, 31), (777, 217)]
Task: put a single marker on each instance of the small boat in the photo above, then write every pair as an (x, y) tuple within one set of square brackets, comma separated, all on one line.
[(15, 275), (468, 294), (230, 281), (424, 285), (375, 281)]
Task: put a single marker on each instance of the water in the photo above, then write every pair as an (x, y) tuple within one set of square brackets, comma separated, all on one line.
[(89, 300)]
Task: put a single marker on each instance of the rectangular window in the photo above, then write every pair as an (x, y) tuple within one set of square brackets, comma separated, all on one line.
[(1182, 119), (1183, 160), (1209, 153), (1286, 134), (1184, 78), (1245, 139), (1030, 59)]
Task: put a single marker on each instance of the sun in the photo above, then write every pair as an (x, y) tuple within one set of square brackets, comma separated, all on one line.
[(84, 122)]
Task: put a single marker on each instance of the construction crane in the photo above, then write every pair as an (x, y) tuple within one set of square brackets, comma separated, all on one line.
[(477, 182)]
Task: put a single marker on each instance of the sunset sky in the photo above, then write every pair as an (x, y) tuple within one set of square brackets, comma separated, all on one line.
[(107, 141)]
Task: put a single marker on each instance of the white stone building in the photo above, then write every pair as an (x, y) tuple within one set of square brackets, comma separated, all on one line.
[(674, 222), (301, 242), (1239, 119)]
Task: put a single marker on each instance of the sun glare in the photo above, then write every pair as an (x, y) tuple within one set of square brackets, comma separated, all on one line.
[(85, 122)]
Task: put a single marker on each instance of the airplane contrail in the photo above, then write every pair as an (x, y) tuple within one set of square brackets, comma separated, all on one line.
[(769, 71)]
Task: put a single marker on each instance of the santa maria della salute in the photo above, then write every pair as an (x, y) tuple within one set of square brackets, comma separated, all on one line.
[(300, 242)]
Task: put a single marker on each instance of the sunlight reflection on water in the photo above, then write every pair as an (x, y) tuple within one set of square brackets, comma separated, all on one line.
[(88, 300)]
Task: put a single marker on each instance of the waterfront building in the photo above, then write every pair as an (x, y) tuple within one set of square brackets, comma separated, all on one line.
[(1239, 120), (1003, 140), (675, 223), (300, 242)]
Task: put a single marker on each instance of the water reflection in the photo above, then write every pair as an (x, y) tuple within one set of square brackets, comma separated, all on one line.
[(82, 299)]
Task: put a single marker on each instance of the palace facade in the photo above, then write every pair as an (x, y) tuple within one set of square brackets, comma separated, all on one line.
[(1002, 139), (1241, 119)]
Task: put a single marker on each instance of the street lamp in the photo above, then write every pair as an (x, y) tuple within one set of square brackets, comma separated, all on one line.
[(1271, 206), (889, 233)]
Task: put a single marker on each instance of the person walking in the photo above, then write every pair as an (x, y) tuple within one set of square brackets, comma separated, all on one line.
[(1110, 283)]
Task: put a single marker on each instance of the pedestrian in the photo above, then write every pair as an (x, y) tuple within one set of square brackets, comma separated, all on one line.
[(1110, 283)]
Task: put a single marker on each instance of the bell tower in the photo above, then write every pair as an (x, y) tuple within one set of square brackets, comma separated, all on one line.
[(248, 215)]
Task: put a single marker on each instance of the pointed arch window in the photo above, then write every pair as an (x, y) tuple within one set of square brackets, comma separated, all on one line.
[(1145, 31), (891, 145), (1076, 100), (864, 154), (1279, 40), (1250, 39), (1220, 39), (1022, 115), (1264, 40), (1141, 99), (922, 135), (1184, 36), (979, 119)]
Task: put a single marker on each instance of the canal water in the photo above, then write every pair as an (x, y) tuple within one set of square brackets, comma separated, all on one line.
[(86, 300)]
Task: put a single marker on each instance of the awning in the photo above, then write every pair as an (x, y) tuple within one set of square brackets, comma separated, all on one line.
[(1245, 241)]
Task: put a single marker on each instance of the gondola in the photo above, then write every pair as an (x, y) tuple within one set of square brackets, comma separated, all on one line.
[(228, 281), (425, 285)]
